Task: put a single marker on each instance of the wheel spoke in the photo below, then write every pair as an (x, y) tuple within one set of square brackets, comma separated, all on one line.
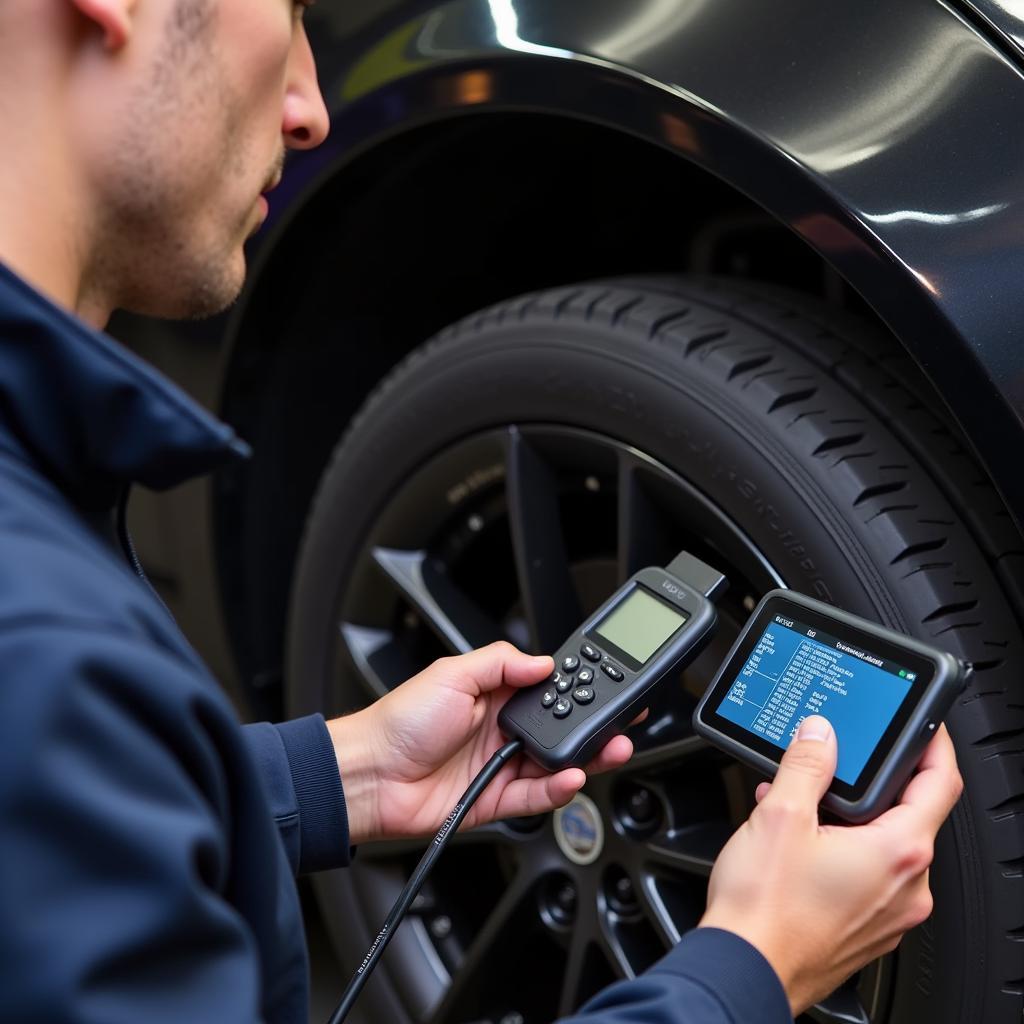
[(643, 535), (381, 664), (457, 621), (469, 977), (692, 849), (542, 566), (494, 833), (657, 913), (568, 998), (392, 849), (842, 1007), (664, 755), (615, 951)]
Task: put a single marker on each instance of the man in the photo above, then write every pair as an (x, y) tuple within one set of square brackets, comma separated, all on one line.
[(148, 841)]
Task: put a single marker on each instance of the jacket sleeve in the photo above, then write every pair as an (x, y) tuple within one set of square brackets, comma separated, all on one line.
[(300, 774), (117, 899), (710, 977)]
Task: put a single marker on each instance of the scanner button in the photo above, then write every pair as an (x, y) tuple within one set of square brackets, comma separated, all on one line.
[(562, 707), (583, 694), (590, 653), (586, 675), (928, 729), (548, 697), (571, 663), (611, 671), (563, 684)]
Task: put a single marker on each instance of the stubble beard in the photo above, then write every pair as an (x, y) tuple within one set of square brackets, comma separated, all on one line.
[(162, 248), (151, 266)]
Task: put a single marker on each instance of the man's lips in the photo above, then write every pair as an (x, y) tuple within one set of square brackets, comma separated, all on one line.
[(261, 201), (274, 182)]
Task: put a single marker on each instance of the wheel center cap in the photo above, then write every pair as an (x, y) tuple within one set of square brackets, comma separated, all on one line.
[(579, 830)]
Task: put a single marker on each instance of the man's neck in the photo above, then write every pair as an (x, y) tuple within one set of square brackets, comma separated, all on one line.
[(44, 209), (39, 242)]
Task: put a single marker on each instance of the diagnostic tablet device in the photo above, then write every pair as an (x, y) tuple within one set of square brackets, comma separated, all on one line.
[(884, 693)]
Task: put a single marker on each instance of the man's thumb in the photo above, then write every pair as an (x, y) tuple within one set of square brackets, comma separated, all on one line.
[(500, 662), (807, 766)]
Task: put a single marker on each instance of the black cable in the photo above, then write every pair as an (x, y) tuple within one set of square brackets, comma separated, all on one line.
[(419, 876)]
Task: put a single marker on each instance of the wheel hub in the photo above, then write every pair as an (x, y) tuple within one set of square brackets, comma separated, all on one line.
[(579, 830)]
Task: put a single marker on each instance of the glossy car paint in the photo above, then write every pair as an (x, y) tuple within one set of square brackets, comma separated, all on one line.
[(888, 136), (1003, 21)]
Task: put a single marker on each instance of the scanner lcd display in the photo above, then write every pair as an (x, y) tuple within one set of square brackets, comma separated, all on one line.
[(640, 624), (795, 670)]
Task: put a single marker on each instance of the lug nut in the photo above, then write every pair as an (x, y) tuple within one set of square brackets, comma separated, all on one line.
[(621, 894), (641, 804), (566, 897), (441, 927), (422, 903), (558, 901)]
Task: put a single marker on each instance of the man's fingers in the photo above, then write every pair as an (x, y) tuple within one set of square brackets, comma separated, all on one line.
[(806, 769), (489, 667), (639, 718), (536, 791), (524, 796), (615, 753), (932, 793)]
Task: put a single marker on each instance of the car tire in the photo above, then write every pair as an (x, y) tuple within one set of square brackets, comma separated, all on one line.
[(816, 435)]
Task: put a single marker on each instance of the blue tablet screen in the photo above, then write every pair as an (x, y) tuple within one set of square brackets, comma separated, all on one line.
[(795, 671)]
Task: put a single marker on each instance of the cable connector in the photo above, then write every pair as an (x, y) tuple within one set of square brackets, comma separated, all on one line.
[(699, 575)]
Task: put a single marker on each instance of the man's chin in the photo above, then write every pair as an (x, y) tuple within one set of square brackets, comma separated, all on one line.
[(203, 295)]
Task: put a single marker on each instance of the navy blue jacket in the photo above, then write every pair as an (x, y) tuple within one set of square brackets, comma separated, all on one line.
[(148, 843)]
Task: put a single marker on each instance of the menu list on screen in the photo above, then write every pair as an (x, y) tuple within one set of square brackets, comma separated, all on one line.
[(794, 671)]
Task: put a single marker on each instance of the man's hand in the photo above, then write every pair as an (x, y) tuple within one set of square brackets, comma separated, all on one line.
[(407, 759), (820, 901)]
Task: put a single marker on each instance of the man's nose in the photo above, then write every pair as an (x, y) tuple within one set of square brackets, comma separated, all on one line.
[(305, 122)]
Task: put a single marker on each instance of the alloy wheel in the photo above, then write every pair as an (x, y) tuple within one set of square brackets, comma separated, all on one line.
[(523, 920)]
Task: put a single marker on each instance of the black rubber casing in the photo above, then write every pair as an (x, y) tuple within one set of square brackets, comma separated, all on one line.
[(573, 741), (941, 677)]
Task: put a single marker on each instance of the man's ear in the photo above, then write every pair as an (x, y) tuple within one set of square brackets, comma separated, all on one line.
[(113, 17)]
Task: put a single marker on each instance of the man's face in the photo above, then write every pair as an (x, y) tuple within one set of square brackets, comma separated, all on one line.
[(194, 128)]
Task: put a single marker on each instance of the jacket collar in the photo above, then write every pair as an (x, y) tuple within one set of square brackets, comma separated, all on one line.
[(94, 417)]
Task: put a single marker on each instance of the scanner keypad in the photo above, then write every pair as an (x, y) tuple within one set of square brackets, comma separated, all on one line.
[(581, 681)]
